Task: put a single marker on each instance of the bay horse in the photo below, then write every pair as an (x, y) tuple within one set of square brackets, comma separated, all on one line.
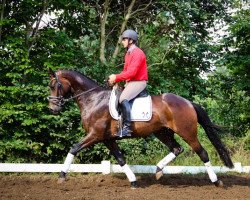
[(171, 115)]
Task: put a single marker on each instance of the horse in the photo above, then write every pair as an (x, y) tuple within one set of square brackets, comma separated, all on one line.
[(171, 114)]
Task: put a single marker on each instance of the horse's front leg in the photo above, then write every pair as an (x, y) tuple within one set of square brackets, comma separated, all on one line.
[(85, 142), (116, 152)]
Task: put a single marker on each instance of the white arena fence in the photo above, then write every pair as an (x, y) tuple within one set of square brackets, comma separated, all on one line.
[(106, 168)]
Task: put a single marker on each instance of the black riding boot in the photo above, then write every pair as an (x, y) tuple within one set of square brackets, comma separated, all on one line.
[(126, 118)]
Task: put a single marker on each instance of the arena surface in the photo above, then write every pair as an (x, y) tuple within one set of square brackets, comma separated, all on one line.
[(117, 187)]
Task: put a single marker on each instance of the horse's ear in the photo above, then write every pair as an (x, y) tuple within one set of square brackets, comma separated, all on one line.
[(51, 73)]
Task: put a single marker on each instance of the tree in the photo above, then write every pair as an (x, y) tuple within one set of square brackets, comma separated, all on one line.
[(84, 35), (231, 80)]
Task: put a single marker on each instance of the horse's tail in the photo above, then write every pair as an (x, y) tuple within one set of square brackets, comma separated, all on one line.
[(211, 131)]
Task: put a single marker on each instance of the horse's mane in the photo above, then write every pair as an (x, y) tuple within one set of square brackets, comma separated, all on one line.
[(83, 77)]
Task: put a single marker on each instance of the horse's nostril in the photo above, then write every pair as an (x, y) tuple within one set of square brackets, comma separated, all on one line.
[(54, 111), (51, 110)]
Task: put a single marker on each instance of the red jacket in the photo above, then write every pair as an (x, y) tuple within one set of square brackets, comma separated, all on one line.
[(135, 67)]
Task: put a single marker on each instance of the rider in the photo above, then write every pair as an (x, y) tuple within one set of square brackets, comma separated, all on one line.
[(135, 74)]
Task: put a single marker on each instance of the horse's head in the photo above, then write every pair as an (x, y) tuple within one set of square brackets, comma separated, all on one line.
[(59, 88)]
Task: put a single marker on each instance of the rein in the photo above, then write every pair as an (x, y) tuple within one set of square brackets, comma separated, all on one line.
[(60, 100), (70, 98)]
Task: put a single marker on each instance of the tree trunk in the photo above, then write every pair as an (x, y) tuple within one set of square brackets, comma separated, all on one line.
[(1, 18), (103, 19), (123, 26), (40, 16)]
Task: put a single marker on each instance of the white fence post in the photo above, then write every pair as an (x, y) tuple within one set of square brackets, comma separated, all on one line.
[(106, 167), (238, 167)]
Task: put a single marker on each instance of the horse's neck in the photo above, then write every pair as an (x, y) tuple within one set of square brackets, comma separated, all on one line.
[(79, 82), (92, 97), (94, 102)]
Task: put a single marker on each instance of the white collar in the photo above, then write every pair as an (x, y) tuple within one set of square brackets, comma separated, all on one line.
[(131, 48)]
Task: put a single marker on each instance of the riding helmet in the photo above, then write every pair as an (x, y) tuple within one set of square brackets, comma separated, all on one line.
[(130, 34)]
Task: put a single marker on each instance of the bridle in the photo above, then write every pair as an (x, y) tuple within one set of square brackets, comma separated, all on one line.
[(60, 100), (57, 100)]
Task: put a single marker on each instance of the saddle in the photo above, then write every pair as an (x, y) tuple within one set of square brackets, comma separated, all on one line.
[(141, 105)]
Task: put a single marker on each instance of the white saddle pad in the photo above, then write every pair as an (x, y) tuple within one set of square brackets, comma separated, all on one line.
[(141, 108)]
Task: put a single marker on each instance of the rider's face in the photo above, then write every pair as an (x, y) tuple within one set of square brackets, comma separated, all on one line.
[(126, 42)]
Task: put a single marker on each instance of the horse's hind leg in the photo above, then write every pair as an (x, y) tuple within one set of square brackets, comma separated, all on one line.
[(115, 151), (168, 139), (202, 153)]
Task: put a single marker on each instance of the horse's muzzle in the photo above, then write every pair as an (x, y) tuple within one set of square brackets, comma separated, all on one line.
[(55, 111), (55, 104)]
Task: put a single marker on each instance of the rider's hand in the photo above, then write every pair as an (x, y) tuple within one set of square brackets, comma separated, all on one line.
[(111, 79)]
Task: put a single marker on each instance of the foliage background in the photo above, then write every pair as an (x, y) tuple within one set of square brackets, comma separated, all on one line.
[(184, 54)]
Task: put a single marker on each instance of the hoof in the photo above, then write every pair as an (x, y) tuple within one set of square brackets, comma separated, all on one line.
[(159, 173), (134, 185), (62, 177), (61, 180), (219, 183)]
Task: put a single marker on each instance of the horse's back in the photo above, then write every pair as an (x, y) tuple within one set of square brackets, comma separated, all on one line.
[(174, 100)]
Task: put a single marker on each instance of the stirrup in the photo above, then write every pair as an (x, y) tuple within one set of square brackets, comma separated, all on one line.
[(125, 131)]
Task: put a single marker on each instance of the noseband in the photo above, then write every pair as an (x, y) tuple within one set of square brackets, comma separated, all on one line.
[(60, 100)]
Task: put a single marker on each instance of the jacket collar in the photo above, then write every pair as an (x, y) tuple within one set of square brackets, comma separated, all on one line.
[(131, 48)]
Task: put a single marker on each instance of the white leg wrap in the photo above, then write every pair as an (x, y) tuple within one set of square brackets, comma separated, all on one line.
[(67, 162), (166, 160), (130, 175), (210, 171)]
